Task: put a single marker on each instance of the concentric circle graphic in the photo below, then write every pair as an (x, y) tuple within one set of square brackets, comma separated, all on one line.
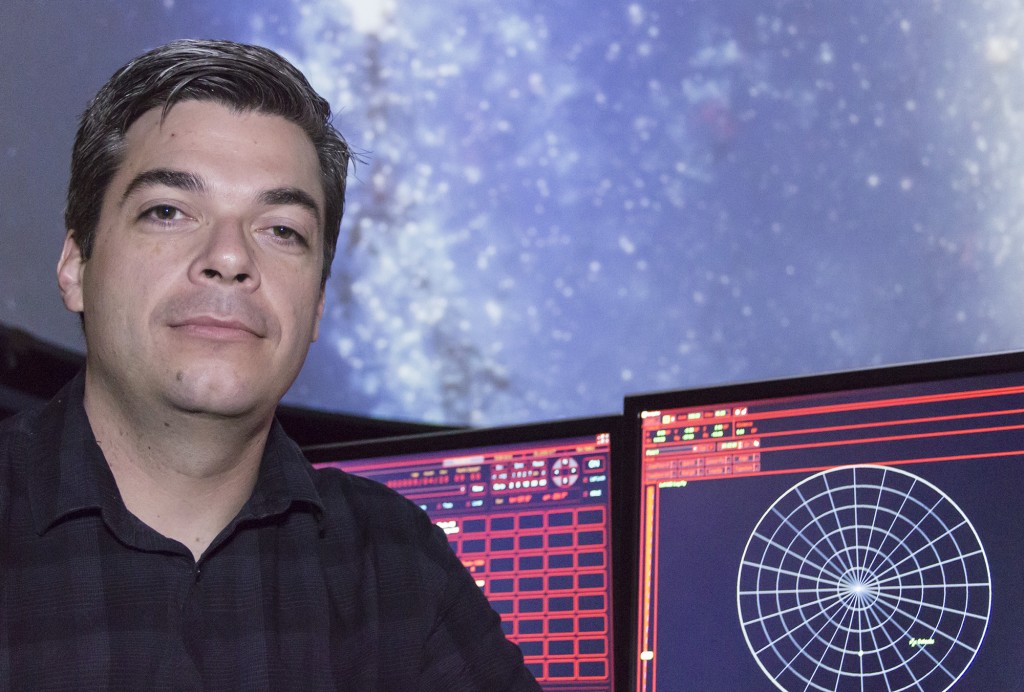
[(864, 578)]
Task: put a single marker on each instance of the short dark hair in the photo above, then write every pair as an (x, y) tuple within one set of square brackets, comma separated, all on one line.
[(242, 77)]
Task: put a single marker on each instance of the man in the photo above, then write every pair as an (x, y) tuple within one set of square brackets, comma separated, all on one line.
[(157, 528)]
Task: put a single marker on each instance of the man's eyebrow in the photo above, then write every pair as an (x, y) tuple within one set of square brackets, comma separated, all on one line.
[(282, 196), (190, 182)]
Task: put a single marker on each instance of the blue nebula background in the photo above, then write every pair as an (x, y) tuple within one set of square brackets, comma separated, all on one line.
[(561, 203)]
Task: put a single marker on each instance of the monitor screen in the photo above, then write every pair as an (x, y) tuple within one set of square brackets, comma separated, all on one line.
[(528, 511), (862, 530)]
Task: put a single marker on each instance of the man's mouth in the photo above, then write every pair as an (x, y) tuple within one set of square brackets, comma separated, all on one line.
[(217, 328)]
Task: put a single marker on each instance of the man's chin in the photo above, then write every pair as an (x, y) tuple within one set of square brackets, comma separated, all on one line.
[(219, 397)]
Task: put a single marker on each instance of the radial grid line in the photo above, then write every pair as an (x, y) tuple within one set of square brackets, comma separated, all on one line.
[(928, 512), (759, 593), (930, 544), (803, 559), (827, 580), (770, 592), (831, 646), (772, 642), (860, 645), (817, 521), (884, 590), (801, 651), (919, 570), (761, 619), (880, 625), (937, 662), (909, 620), (942, 610), (874, 520), (835, 512), (894, 604), (857, 545), (762, 593), (895, 515), (787, 667), (877, 651), (798, 532), (847, 650)]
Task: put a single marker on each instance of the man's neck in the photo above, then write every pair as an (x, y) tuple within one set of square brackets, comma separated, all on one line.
[(183, 474)]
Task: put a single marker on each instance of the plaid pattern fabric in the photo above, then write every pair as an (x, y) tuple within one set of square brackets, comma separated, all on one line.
[(323, 581)]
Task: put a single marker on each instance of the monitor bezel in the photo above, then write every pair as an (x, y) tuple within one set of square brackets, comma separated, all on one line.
[(801, 385)]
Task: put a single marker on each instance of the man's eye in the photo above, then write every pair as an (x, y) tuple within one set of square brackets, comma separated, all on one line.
[(162, 212), (286, 233)]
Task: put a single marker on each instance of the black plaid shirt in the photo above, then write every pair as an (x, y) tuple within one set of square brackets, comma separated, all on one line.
[(323, 581)]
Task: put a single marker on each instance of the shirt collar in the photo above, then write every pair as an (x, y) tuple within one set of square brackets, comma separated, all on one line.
[(69, 474), (285, 479)]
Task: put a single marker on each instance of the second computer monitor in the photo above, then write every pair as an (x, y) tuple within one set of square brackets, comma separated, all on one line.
[(857, 531), (528, 509)]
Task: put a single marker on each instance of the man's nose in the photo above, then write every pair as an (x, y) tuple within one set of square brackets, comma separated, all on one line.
[(226, 255)]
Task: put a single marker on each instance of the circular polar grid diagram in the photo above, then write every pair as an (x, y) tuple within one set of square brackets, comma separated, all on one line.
[(864, 577)]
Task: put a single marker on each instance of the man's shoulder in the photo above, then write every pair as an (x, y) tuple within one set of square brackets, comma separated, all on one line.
[(364, 515), (17, 420), (41, 425), (20, 437), (370, 503), (19, 431), (36, 430)]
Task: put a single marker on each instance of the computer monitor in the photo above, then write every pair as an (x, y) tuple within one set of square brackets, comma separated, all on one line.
[(528, 509), (860, 531)]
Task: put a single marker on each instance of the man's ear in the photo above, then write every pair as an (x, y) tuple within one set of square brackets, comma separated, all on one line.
[(69, 274), (319, 314)]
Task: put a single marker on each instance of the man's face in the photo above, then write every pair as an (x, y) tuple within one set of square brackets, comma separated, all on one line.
[(203, 289)]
